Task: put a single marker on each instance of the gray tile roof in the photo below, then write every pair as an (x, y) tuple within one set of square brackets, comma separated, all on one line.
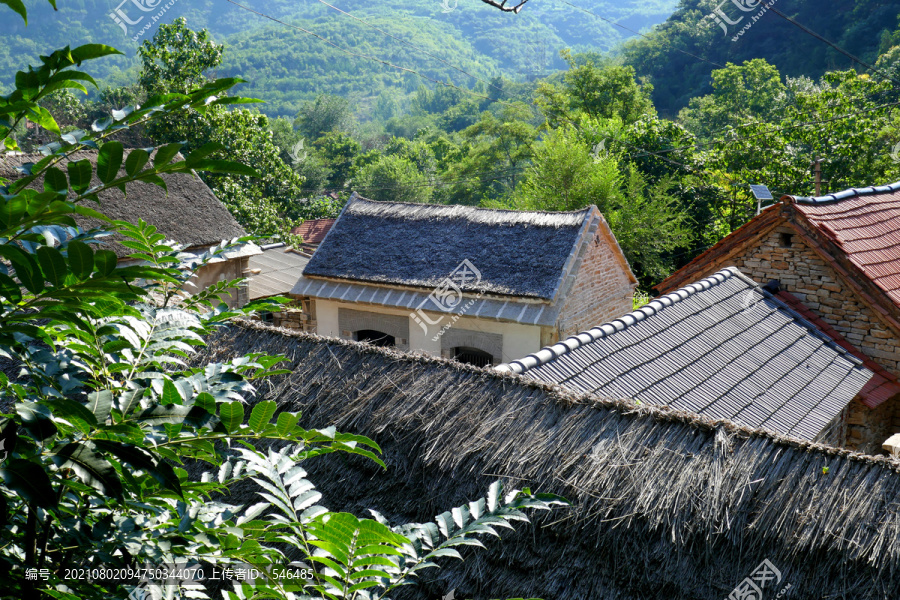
[(519, 311), (518, 253), (280, 268), (722, 347)]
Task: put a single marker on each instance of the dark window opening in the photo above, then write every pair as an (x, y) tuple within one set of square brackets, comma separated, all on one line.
[(787, 240), (473, 356), (267, 317), (376, 338)]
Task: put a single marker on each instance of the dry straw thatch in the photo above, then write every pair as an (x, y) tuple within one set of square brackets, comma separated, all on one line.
[(665, 504)]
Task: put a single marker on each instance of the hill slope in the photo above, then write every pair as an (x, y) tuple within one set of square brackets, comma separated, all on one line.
[(286, 65), (854, 25)]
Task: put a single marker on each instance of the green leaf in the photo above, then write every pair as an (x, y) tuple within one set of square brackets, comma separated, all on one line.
[(175, 414), (231, 415), (286, 423), (80, 173), (165, 154), (261, 415), (170, 394), (12, 211), (109, 161), (55, 181), (91, 51), (206, 401), (30, 481), (136, 160), (100, 403), (91, 467), (17, 6), (142, 459), (53, 265), (66, 407), (105, 261), (81, 259), (36, 420), (9, 289)]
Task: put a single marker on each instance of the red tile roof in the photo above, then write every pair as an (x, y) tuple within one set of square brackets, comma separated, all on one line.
[(865, 226), (314, 231), (883, 384)]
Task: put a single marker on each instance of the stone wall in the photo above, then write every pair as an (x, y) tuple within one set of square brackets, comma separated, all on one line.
[(602, 290), (783, 255)]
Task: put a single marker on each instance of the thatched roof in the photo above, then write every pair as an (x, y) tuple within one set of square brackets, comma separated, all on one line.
[(666, 504), (522, 254), (722, 347), (189, 213)]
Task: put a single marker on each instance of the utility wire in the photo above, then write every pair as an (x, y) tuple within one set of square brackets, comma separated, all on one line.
[(411, 45), (833, 45), (360, 55)]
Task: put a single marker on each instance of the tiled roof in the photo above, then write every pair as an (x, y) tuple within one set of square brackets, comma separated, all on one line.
[(516, 253), (722, 347), (865, 225), (313, 231), (883, 384), (280, 268)]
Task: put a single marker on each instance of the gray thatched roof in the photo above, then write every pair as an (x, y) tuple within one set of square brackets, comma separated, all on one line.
[(190, 213), (666, 504), (521, 254), (722, 347)]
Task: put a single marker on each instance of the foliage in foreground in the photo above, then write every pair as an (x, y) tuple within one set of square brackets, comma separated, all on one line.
[(108, 411)]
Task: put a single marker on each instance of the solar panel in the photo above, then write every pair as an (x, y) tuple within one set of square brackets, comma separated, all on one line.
[(761, 192)]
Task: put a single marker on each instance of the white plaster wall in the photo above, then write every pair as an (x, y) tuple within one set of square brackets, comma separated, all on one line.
[(518, 340)]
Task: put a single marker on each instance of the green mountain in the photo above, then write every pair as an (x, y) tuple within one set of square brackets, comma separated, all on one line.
[(285, 66), (856, 26)]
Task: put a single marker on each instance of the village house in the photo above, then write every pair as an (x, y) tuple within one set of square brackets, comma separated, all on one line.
[(837, 257), (664, 503), (186, 212), (722, 347), (313, 231), (274, 272), (480, 285)]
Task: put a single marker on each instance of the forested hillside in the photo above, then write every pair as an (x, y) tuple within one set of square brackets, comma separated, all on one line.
[(858, 26), (285, 66)]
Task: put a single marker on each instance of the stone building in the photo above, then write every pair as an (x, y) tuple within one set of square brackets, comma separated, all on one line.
[(479, 285), (838, 256)]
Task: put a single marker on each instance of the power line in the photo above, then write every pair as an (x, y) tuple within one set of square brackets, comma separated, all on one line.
[(619, 25), (833, 45), (360, 55), (410, 44)]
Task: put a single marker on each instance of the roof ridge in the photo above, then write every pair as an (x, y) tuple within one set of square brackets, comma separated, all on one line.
[(548, 353), (360, 199), (845, 194)]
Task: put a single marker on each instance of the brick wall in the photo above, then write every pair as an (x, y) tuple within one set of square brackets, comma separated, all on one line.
[(783, 255), (602, 290)]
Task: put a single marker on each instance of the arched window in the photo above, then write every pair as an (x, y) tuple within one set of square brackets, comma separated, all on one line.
[(376, 338), (473, 356)]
